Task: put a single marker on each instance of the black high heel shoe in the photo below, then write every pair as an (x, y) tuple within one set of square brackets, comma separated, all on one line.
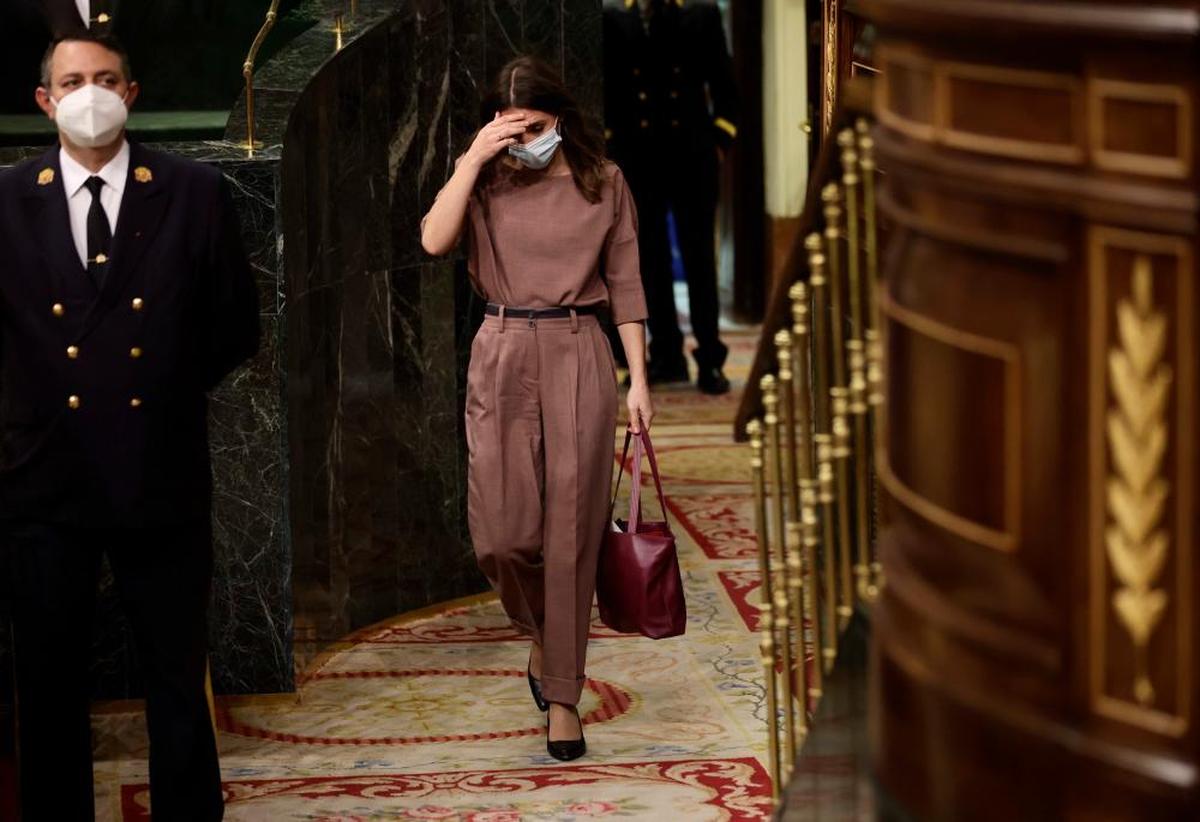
[(564, 750), (535, 688)]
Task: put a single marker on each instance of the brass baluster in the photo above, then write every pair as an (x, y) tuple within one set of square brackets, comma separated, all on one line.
[(808, 503), (794, 535), (802, 378), (866, 152), (248, 74), (872, 285), (782, 620), (822, 440), (857, 357), (839, 396), (766, 625)]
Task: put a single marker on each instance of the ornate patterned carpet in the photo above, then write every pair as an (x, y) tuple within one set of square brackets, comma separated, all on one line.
[(427, 716)]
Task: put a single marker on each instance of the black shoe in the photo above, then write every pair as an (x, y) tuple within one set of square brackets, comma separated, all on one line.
[(535, 688), (712, 381), (564, 750), (661, 373)]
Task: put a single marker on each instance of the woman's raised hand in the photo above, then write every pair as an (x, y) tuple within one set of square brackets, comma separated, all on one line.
[(496, 136)]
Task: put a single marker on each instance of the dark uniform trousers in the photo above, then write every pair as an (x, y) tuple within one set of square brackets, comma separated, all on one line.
[(104, 451), (670, 103), (163, 578)]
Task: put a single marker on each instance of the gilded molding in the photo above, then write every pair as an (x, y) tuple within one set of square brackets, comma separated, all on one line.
[(1006, 539), (1142, 486), (1137, 490), (1177, 165), (830, 64)]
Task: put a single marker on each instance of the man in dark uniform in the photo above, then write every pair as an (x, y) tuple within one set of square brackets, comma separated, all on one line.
[(125, 297), (670, 110)]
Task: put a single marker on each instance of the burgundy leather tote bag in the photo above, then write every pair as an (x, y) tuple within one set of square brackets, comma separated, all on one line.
[(638, 584)]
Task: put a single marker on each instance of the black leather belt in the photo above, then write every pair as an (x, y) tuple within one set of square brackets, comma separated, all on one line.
[(556, 313)]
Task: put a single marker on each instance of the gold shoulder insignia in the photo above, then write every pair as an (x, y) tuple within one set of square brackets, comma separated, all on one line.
[(46, 177), (142, 174)]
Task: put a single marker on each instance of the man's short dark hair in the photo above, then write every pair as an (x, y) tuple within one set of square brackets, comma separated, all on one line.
[(105, 41)]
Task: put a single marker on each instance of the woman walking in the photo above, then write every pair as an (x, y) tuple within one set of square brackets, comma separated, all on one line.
[(552, 236)]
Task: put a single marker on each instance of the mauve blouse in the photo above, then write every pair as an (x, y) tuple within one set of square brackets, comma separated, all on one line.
[(542, 244)]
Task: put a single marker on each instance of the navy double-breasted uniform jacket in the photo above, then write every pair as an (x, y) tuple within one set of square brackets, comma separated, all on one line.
[(669, 91), (103, 391)]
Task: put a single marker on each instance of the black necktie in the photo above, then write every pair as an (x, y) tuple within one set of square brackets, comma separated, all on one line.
[(99, 234)]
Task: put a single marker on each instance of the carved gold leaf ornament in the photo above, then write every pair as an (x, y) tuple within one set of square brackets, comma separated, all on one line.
[(1137, 493)]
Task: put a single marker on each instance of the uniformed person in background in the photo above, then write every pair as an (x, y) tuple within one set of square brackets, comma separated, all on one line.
[(125, 297), (670, 111), (70, 17)]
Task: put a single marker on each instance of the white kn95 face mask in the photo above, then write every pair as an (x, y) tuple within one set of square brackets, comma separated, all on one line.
[(91, 116)]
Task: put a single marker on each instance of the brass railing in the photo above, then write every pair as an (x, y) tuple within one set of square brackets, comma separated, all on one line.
[(248, 74), (812, 450)]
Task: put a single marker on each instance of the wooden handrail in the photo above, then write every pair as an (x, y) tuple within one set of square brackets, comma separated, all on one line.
[(855, 102)]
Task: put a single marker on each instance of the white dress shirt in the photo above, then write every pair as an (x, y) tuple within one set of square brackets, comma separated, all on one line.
[(85, 11), (79, 199)]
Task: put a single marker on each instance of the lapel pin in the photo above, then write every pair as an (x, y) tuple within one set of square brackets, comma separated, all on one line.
[(46, 177), (142, 174)]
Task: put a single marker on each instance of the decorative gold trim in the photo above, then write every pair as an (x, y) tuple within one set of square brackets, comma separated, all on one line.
[(1009, 354), (889, 57), (1065, 153), (830, 67), (1137, 491), (1177, 167), (941, 128), (726, 126), (1131, 470)]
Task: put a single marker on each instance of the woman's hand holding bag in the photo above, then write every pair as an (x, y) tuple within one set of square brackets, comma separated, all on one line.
[(638, 585)]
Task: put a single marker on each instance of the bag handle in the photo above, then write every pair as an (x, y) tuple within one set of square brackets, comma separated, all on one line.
[(640, 446), (620, 474), (635, 493), (645, 441)]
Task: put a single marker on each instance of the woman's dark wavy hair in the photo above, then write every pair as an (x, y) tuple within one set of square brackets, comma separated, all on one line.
[(527, 82)]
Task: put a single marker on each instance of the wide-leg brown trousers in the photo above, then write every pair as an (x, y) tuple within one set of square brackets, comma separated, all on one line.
[(541, 417)]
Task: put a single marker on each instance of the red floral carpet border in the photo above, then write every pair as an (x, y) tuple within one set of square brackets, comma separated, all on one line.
[(614, 702), (740, 787)]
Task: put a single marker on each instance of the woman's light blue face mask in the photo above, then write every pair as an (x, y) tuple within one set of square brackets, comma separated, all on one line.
[(538, 153)]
